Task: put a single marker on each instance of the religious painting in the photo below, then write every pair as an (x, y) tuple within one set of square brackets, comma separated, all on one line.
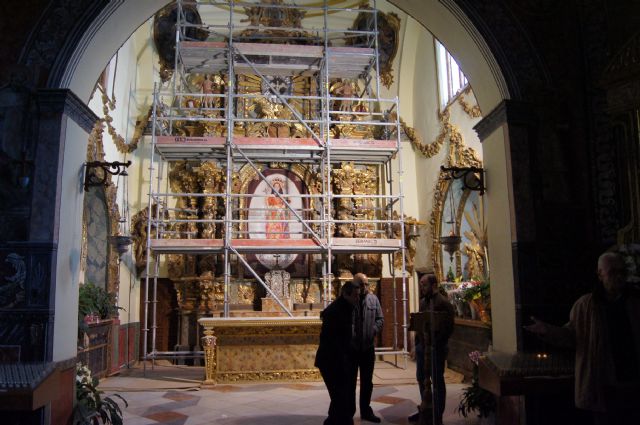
[(271, 213)]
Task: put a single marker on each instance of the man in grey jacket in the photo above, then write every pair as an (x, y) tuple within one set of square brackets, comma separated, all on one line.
[(367, 323)]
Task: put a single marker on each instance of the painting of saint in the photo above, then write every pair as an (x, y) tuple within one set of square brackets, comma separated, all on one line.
[(277, 213), (271, 218)]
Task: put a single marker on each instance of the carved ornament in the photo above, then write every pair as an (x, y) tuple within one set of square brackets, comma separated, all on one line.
[(95, 152), (270, 376)]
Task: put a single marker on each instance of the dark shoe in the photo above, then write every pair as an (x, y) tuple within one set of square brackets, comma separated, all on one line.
[(371, 418), (414, 418)]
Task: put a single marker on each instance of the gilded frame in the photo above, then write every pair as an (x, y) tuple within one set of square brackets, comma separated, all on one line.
[(95, 152), (247, 174)]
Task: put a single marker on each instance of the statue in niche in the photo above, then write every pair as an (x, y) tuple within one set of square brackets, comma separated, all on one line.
[(345, 88), (139, 223), (343, 184), (410, 242), (365, 183)]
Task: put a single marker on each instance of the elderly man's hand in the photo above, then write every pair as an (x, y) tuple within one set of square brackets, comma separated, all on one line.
[(538, 327)]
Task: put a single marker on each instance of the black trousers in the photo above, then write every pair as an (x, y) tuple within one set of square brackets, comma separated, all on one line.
[(435, 360), (364, 361), (339, 385)]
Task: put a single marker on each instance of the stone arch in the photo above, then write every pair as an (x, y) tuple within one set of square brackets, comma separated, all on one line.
[(78, 52)]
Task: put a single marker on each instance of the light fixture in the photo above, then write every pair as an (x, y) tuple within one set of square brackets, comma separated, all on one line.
[(451, 243), (92, 178), (472, 177)]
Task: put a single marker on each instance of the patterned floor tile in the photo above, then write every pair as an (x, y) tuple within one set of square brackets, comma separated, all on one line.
[(387, 399), (168, 417), (179, 396)]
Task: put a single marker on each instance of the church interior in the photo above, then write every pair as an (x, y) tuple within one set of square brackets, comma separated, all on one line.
[(192, 182)]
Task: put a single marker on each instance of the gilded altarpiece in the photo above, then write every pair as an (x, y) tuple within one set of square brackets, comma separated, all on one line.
[(254, 349)]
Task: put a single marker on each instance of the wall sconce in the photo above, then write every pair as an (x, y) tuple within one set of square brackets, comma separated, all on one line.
[(93, 178), (472, 177), (121, 243)]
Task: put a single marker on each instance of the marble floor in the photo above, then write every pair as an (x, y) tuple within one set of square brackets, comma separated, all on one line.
[(172, 395)]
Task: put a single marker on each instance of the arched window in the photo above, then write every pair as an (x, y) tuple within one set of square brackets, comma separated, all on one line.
[(451, 79)]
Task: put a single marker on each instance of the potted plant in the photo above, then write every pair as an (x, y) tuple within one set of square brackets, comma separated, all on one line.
[(95, 303), (92, 408), (474, 398)]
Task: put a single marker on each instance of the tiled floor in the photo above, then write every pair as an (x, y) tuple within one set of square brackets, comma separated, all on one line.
[(172, 400)]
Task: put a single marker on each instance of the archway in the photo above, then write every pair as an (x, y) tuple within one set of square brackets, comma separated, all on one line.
[(445, 20)]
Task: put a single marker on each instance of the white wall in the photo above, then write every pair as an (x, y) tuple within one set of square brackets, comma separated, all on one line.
[(65, 343)]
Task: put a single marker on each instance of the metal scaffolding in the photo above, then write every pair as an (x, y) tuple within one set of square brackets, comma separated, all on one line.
[(234, 52)]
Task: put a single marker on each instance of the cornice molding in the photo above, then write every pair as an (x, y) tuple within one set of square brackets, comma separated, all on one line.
[(507, 112), (65, 101)]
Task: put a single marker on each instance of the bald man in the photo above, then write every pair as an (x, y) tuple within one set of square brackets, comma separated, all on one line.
[(604, 329)]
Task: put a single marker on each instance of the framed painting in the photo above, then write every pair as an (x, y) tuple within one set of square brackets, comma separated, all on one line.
[(269, 217)]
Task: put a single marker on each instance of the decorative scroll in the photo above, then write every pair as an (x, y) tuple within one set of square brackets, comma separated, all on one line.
[(432, 148), (471, 111), (121, 144), (271, 376)]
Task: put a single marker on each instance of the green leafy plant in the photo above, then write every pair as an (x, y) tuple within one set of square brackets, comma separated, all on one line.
[(476, 291), (475, 398), (92, 407), (450, 276), (95, 300)]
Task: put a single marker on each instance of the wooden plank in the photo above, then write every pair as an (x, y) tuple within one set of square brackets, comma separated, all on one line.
[(274, 141), (203, 45), (190, 141), (292, 50)]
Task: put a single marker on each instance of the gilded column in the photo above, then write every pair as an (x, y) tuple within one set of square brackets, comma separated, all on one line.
[(210, 363)]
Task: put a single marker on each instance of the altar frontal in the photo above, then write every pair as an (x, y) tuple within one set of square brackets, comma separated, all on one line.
[(250, 349)]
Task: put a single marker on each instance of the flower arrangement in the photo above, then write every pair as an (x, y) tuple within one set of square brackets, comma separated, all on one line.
[(92, 408), (474, 290), (474, 398)]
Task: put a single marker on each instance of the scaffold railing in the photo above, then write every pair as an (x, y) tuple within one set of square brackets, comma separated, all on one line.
[(339, 117)]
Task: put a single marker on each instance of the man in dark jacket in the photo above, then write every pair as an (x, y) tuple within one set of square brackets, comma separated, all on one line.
[(423, 289), (367, 323), (333, 355), (435, 339)]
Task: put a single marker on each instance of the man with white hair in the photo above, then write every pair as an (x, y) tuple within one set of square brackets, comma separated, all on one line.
[(604, 328)]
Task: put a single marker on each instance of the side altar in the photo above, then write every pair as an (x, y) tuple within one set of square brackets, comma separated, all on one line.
[(249, 349)]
